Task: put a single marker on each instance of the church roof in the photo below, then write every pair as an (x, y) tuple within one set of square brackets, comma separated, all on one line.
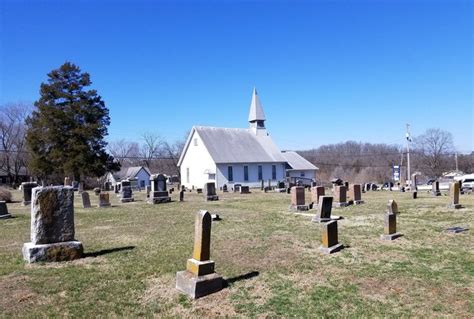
[(298, 162), (235, 145), (256, 109)]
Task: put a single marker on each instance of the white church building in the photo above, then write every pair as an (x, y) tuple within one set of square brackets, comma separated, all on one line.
[(239, 156)]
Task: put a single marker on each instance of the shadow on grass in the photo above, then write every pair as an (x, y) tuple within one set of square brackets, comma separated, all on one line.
[(230, 281), (107, 251)]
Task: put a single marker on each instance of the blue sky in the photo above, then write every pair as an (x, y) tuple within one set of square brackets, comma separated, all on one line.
[(326, 71)]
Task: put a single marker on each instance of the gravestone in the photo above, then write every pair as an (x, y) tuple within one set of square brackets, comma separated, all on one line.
[(126, 193), (158, 193), (269, 184), (355, 193), (224, 188), (86, 201), (67, 181), (52, 226), (414, 182), (298, 199), (340, 199), (237, 188), (414, 194), (148, 190), (330, 242), (210, 191), (454, 195), (4, 210), (96, 191), (390, 222), (435, 189), (104, 200), (80, 187), (116, 188), (392, 207), (199, 278), (316, 193), (262, 185), (324, 210), (181, 195), (368, 187), (244, 190), (280, 188), (199, 190), (27, 191)]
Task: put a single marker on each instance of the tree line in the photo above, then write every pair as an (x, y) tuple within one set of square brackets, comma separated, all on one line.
[(64, 134), (431, 154)]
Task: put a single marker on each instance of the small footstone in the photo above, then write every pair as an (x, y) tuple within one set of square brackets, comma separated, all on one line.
[(456, 229)]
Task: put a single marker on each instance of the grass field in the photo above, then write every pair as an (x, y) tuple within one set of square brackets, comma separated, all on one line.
[(268, 255)]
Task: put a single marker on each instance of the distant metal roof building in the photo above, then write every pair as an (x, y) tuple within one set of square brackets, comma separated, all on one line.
[(129, 172), (297, 162), (236, 145), (256, 109)]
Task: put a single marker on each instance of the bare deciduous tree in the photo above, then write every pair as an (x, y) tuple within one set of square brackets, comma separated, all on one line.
[(13, 154), (433, 149), (125, 152), (150, 148)]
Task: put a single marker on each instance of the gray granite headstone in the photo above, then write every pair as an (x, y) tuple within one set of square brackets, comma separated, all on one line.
[(52, 226), (86, 202), (27, 190), (4, 210)]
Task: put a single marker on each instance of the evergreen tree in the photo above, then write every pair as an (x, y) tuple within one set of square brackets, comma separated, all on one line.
[(65, 134)]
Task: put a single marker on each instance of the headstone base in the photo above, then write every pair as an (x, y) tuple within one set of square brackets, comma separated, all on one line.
[(5, 216), (63, 251), (104, 205), (436, 193), (298, 208), (159, 200), (127, 200), (454, 206), (212, 198), (390, 236), (332, 249), (198, 286), (340, 204), (317, 219), (25, 203), (358, 202)]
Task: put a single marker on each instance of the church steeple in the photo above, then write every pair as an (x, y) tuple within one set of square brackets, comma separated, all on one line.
[(256, 115)]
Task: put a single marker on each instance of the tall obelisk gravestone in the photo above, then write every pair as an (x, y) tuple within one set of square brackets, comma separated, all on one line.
[(199, 278)]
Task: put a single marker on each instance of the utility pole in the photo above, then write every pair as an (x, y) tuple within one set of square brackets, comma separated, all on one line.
[(408, 155), (456, 159)]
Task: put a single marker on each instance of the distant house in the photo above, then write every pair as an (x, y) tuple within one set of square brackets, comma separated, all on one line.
[(238, 156), (23, 176), (141, 173)]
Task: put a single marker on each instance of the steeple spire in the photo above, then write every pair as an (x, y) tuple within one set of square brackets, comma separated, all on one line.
[(256, 115), (256, 109)]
